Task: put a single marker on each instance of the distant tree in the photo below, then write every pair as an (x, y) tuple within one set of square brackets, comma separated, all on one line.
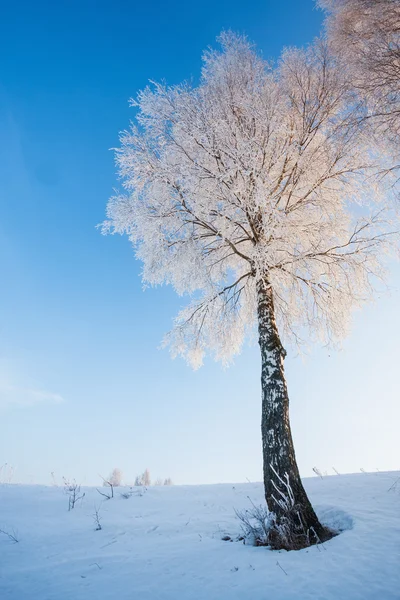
[(365, 34), (146, 478), (238, 194), (168, 481), (143, 479), (114, 479), (158, 481), (6, 473)]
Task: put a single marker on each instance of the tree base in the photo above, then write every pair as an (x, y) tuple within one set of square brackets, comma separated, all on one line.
[(282, 537), (288, 531)]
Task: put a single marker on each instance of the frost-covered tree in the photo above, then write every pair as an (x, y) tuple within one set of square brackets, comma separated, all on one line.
[(237, 193), (115, 478), (144, 479), (365, 34)]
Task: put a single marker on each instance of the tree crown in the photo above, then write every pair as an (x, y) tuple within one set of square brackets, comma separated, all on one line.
[(249, 175)]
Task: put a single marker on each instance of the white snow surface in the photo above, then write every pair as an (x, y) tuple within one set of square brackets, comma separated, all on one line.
[(166, 544)]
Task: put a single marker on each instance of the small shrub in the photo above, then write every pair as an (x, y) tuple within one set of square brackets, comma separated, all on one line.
[(126, 495), (73, 491), (107, 495), (256, 524), (97, 519)]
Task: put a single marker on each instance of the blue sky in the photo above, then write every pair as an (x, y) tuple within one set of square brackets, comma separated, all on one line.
[(83, 385)]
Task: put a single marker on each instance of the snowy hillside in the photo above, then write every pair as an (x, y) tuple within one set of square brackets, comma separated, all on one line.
[(166, 545)]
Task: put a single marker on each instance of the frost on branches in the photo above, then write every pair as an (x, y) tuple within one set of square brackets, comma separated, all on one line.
[(237, 193), (365, 34), (251, 172)]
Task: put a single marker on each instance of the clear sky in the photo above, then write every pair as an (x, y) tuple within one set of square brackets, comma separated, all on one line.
[(83, 385)]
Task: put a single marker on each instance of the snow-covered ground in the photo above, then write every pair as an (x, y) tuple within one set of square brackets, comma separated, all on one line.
[(166, 545)]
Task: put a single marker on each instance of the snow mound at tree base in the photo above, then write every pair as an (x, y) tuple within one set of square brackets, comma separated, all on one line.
[(166, 544), (335, 519)]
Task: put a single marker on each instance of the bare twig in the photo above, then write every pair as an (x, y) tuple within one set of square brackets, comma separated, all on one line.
[(317, 472), (11, 536), (394, 485), (106, 483), (97, 519), (282, 569)]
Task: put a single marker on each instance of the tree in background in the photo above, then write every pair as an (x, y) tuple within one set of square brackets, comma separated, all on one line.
[(365, 34), (237, 193), (115, 478), (144, 479)]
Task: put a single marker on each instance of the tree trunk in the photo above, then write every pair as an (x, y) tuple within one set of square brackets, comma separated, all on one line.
[(284, 490)]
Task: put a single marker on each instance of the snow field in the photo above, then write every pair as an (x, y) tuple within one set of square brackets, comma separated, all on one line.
[(166, 544)]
